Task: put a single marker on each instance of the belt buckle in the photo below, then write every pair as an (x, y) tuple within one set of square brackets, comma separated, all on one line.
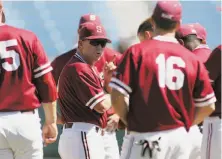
[(68, 125)]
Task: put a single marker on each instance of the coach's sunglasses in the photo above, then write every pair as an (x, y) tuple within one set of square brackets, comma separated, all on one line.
[(98, 42)]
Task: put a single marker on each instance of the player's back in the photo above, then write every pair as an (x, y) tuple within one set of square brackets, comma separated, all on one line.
[(18, 52), (163, 83)]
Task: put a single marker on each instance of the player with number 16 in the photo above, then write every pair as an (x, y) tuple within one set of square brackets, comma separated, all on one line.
[(168, 88)]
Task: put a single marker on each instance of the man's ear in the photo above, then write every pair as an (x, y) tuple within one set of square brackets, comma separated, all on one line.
[(80, 44), (181, 41), (148, 35)]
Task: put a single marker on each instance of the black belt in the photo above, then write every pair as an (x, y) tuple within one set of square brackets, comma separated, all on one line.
[(69, 125)]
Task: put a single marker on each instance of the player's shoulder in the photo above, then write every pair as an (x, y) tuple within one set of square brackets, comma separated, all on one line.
[(202, 48), (110, 51), (134, 49), (20, 32), (219, 47), (217, 50), (78, 67), (215, 55), (65, 56)]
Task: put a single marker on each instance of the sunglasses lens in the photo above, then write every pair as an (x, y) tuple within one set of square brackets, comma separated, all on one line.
[(98, 42), (93, 43)]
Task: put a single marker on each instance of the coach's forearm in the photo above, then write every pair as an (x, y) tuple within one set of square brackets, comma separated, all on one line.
[(107, 88), (50, 112), (103, 106), (202, 112)]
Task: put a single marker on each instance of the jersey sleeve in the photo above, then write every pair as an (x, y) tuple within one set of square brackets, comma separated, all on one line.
[(123, 78), (89, 89), (203, 93), (43, 79), (41, 64), (46, 88)]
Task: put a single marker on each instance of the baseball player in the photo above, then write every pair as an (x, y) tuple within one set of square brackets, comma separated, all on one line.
[(168, 88), (82, 101), (211, 143), (108, 56), (26, 82), (146, 30), (193, 37)]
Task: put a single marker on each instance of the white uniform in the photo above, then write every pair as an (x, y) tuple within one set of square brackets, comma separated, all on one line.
[(211, 143), (196, 139), (20, 135), (82, 141), (111, 145), (167, 143)]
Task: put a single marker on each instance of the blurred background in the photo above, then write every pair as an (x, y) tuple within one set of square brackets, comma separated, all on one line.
[(56, 22)]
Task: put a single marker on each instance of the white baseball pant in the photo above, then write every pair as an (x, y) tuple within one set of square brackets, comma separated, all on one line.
[(81, 141), (111, 145), (20, 135), (169, 144), (196, 139), (211, 143)]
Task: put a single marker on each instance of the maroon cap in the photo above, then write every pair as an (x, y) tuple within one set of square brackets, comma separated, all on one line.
[(171, 10), (91, 31), (201, 31), (89, 18), (185, 30)]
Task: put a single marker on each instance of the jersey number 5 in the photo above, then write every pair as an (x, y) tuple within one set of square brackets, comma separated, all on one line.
[(5, 54), (168, 75)]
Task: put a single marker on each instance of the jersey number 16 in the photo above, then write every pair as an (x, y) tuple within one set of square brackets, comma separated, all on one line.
[(169, 76)]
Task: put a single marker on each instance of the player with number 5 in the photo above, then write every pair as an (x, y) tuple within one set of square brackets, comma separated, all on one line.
[(168, 88), (26, 82)]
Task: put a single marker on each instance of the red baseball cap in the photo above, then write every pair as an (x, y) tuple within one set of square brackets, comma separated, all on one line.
[(186, 29), (171, 10), (92, 31), (201, 31), (3, 14), (89, 18)]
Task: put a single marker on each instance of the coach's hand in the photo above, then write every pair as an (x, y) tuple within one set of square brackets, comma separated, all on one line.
[(112, 123), (108, 70), (49, 133)]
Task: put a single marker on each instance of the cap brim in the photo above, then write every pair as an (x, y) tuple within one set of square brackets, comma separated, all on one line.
[(3, 17), (98, 37)]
